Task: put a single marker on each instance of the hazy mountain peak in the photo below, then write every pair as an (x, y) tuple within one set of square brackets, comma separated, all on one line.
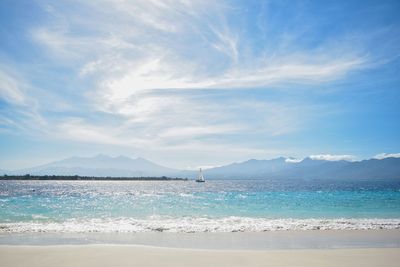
[(122, 157), (283, 159), (279, 159), (252, 161), (141, 159), (278, 168), (102, 165)]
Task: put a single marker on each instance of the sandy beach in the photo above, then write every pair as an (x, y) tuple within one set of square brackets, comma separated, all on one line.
[(128, 255), (284, 248)]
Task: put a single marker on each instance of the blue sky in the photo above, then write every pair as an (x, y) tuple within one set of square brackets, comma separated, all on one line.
[(198, 83)]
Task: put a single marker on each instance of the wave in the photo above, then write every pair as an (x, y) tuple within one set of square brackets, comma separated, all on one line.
[(195, 225)]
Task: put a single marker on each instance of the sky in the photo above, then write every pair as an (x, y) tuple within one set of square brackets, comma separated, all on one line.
[(198, 83)]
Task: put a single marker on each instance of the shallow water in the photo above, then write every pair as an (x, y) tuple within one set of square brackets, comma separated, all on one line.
[(186, 206)]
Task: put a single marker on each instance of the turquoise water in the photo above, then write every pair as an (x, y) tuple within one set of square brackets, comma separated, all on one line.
[(185, 206)]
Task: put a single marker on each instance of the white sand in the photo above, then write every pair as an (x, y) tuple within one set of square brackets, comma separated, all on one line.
[(128, 255)]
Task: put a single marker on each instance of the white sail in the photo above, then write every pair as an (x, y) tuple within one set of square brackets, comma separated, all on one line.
[(200, 178)]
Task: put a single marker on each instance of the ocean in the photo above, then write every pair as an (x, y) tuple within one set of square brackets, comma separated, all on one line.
[(189, 207)]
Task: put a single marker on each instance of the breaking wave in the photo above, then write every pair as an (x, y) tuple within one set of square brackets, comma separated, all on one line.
[(195, 225)]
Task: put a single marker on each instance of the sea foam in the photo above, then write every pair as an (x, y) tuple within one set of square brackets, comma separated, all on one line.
[(196, 225)]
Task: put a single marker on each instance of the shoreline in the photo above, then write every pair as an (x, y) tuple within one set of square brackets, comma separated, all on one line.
[(275, 240), (195, 225), (129, 255), (29, 177)]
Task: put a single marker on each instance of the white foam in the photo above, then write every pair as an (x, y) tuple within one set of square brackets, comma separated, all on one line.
[(197, 224)]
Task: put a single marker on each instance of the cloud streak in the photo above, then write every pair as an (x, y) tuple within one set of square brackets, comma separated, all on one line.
[(11, 88), (146, 57), (19, 110)]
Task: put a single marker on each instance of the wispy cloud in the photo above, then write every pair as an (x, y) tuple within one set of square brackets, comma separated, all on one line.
[(148, 58), (11, 88), (20, 112), (175, 47), (172, 120), (130, 61)]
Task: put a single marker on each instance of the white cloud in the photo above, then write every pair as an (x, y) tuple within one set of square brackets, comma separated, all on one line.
[(329, 157), (387, 155), (293, 160)]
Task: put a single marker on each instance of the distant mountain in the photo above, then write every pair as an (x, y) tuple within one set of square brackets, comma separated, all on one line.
[(282, 168), (248, 169), (101, 165), (279, 168)]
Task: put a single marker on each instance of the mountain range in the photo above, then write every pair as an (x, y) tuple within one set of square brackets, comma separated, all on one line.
[(279, 168), (282, 168), (101, 166)]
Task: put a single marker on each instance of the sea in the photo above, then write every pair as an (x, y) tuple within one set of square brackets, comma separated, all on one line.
[(190, 207)]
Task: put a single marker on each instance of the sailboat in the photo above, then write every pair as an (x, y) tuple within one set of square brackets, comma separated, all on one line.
[(200, 178)]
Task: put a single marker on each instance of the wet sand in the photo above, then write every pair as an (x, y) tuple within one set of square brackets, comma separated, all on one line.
[(226, 241)]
